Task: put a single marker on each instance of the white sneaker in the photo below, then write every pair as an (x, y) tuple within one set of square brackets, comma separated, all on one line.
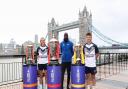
[(88, 87), (40, 86), (93, 87), (45, 87)]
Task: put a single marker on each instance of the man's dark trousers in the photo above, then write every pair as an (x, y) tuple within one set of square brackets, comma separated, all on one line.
[(66, 66)]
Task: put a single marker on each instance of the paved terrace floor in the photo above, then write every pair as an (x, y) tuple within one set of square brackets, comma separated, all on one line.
[(119, 81)]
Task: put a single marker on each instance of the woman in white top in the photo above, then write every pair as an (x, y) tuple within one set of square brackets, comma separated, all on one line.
[(42, 52)]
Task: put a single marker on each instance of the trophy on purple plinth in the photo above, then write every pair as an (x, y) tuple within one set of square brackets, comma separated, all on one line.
[(29, 54), (53, 51)]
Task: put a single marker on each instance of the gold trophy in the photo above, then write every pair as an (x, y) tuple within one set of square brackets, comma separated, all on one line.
[(78, 57)]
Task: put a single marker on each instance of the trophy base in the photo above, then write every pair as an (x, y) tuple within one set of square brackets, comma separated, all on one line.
[(54, 62)]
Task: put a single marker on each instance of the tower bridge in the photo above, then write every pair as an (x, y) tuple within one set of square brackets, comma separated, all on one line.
[(84, 23)]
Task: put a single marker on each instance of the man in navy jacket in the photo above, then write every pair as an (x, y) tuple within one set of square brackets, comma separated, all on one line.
[(66, 48)]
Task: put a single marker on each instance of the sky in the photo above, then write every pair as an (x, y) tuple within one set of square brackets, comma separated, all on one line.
[(22, 19)]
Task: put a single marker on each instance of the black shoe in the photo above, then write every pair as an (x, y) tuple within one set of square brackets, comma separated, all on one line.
[(68, 88)]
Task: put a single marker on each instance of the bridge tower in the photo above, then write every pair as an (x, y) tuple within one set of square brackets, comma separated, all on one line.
[(85, 24), (51, 26)]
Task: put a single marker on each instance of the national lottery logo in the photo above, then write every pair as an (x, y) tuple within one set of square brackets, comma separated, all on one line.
[(78, 75), (52, 75)]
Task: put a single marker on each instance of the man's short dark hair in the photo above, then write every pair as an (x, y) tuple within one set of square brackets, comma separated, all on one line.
[(66, 34), (89, 34)]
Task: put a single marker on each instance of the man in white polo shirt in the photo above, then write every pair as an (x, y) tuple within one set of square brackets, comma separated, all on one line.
[(91, 53)]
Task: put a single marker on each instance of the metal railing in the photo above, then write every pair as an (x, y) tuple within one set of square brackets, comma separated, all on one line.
[(109, 64), (10, 72), (10, 69)]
